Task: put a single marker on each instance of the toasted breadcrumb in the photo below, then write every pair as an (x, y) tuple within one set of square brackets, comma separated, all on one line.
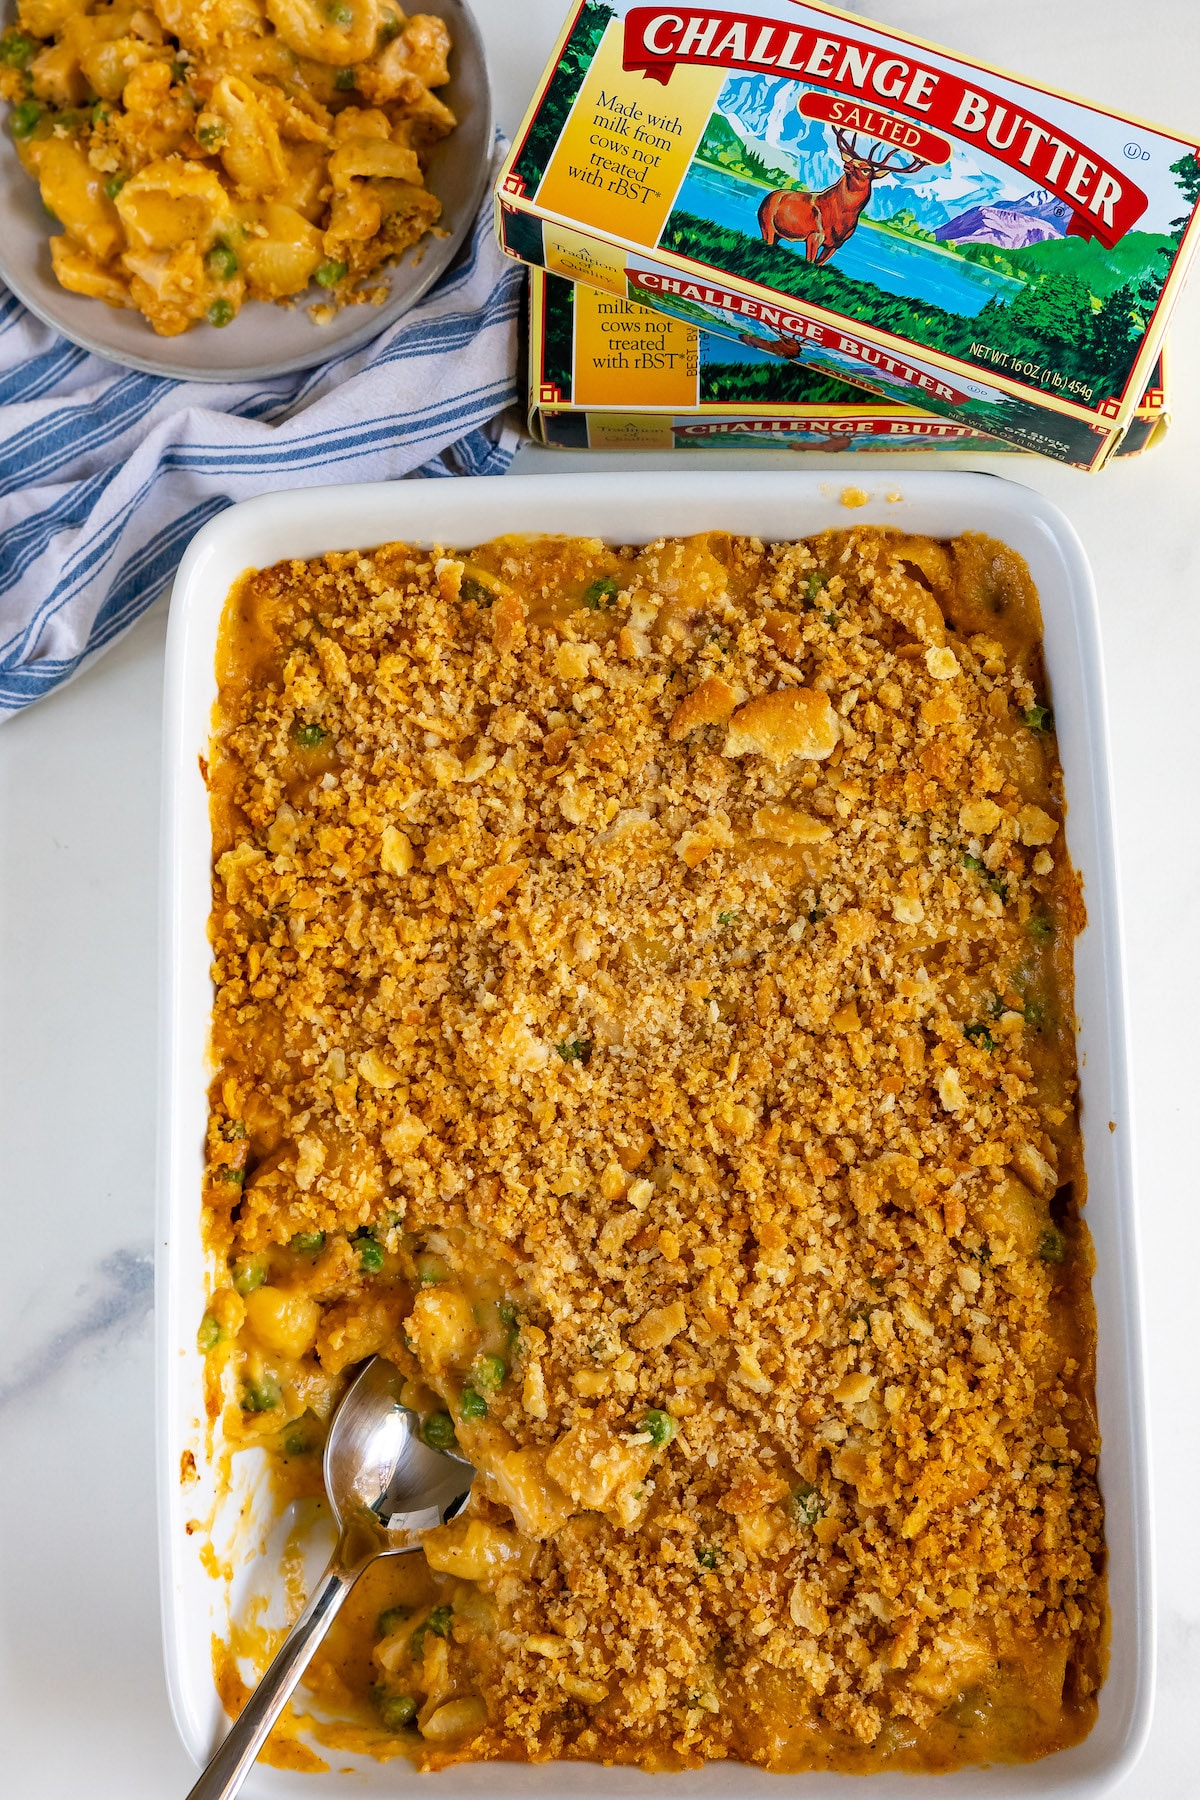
[(677, 962)]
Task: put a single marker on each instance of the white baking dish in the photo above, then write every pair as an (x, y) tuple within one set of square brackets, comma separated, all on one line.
[(634, 508)]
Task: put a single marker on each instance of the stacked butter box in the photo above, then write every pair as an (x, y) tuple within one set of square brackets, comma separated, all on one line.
[(606, 373), (786, 224)]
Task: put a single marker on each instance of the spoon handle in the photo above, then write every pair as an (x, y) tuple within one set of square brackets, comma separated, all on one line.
[(232, 1762)]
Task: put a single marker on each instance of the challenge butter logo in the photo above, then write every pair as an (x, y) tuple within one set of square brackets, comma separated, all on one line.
[(870, 426), (794, 325), (1104, 203)]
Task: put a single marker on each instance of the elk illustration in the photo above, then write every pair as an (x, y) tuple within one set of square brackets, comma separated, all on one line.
[(827, 219), (787, 347)]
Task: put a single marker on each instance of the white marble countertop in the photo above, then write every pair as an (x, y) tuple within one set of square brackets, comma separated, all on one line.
[(83, 1707)]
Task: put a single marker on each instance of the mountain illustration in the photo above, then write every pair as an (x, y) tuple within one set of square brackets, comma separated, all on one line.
[(763, 111), (1010, 225), (939, 195)]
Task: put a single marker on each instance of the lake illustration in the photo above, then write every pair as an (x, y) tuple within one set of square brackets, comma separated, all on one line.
[(825, 360), (896, 264)]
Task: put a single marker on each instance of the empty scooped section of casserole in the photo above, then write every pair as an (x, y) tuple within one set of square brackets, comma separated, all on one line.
[(644, 1013)]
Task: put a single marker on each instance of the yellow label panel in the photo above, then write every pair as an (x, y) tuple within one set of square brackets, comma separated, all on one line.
[(631, 355), (629, 431), (627, 145), (583, 258)]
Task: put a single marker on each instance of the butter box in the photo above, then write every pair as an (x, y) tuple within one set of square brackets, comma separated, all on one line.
[(920, 224), (606, 373)]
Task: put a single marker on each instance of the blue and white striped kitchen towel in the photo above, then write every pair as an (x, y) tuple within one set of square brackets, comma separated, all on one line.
[(105, 473)]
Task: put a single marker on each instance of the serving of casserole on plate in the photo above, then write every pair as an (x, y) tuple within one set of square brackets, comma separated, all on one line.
[(642, 939), (186, 159)]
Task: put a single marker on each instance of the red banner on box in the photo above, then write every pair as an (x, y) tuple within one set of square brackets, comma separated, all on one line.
[(1105, 203), (852, 116)]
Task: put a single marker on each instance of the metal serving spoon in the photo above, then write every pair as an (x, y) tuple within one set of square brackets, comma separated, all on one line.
[(384, 1485)]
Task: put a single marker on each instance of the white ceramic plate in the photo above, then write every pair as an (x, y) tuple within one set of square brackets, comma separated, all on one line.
[(263, 340), (628, 508)]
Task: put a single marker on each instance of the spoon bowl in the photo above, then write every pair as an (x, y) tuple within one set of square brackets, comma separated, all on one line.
[(385, 1485), (382, 1480)]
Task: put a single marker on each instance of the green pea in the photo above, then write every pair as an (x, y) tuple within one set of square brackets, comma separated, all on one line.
[(1052, 1245), (18, 49), (601, 593), (806, 1504), (227, 1172), (309, 736), (431, 1269), (391, 1619), (1039, 718), (249, 1274), (727, 918), (438, 1430), (340, 13), (980, 1036), (296, 1444), (261, 1396), (345, 80), (973, 1712), (114, 184), (472, 1405), (436, 1625), (391, 28), (370, 1255), (309, 1242), (1041, 928), (997, 883), (209, 1334), (659, 1426), (709, 1557), (490, 1372), (508, 1312), (221, 262), (209, 135), (221, 313), (24, 118), (576, 1050), (330, 273), (812, 587), (475, 591), (395, 1710)]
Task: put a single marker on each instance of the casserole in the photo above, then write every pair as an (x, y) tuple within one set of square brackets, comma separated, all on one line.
[(621, 510), (266, 341)]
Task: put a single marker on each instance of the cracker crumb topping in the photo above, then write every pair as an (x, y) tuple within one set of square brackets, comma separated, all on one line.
[(673, 946)]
